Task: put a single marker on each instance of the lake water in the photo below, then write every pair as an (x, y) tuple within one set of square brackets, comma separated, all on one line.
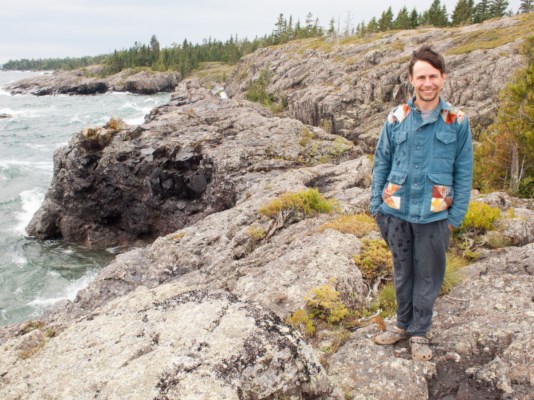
[(34, 274)]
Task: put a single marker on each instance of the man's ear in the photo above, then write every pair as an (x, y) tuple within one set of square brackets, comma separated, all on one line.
[(444, 75)]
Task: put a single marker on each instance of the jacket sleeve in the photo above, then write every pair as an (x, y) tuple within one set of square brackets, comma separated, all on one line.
[(381, 168), (462, 175)]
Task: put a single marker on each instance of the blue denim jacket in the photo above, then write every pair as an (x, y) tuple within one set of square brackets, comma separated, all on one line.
[(423, 170)]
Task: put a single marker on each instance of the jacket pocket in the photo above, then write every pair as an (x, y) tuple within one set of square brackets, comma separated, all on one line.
[(445, 144), (400, 137), (392, 193), (442, 193)]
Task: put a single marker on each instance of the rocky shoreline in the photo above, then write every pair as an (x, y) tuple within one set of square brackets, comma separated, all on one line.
[(201, 313), (85, 81)]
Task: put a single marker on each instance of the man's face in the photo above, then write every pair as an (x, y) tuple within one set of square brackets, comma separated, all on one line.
[(427, 82)]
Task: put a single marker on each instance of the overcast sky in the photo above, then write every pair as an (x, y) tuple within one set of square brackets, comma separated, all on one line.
[(72, 28)]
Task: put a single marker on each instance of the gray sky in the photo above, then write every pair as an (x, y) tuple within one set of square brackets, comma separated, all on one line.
[(72, 28)]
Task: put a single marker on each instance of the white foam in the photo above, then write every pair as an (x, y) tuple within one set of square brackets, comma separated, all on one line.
[(135, 120), (41, 165), (67, 293), (31, 201), (19, 260)]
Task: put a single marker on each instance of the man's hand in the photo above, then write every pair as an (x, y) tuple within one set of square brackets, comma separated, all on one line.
[(451, 228)]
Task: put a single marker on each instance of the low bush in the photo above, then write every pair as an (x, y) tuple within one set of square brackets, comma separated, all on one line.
[(480, 218), (307, 202), (374, 260)]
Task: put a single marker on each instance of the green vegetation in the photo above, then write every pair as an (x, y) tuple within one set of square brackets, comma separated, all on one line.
[(453, 272), (323, 305), (504, 160), (385, 301), (357, 224), (480, 218), (307, 202), (375, 260), (257, 92)]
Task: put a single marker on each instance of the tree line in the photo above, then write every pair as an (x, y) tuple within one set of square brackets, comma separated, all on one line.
[(187, 56)]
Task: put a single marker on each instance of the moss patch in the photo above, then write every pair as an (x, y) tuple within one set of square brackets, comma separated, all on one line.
[(357, 224)]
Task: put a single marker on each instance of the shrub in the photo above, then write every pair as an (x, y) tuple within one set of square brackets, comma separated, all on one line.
[(256, 232), (357, 224), (302, 321), (306, 202), (374, 260), (480, 217), (324, 303)]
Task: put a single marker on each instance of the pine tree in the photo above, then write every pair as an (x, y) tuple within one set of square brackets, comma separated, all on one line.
[(403, 19), (385, 22), (505, 157), (463, 12), (332, 28), (414, 18), (436, 15), (498, 8), (526, 6), (482, 11), (372, 26)]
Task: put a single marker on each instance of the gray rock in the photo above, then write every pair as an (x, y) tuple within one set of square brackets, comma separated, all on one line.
[(172, 342), (85, 81), (119, 185), (349, 88), (5, 116)]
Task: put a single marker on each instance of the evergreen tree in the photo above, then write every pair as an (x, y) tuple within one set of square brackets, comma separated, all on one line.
[(505, 157), (402, 21), (372, 26), (415, 18), (385, 22), (437, 14), (463, 12), (482, 11), (526, 6), (332, 28), (498, 8)]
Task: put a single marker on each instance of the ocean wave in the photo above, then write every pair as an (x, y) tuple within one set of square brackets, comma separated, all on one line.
[(27, 113), (67, 293), (30, 202), (135, 120)]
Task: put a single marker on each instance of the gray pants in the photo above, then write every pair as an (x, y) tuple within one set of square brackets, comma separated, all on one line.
[(419, 256)]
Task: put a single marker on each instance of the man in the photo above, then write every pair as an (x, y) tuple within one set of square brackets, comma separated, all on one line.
[(421, 187)]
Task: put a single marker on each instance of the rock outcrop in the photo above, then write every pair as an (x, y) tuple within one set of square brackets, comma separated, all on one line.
[(194, 156), (169, 343), (85, 82), (349, 86)]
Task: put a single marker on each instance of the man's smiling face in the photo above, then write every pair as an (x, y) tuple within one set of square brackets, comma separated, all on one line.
[(427, 82)]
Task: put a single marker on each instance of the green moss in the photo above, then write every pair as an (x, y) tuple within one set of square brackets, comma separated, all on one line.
[(357, 224), (374, 260), (307, 202), (339, 147)]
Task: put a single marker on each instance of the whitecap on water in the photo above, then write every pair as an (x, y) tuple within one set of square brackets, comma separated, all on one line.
[(67, 293), (135, 120), (31, 201)]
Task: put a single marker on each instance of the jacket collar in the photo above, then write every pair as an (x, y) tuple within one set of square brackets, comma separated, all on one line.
[(442, 105)]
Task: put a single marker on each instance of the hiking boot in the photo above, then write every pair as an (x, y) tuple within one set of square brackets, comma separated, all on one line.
[(421, 350), (390, 336)]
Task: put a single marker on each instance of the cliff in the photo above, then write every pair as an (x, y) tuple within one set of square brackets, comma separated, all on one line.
[(200, 313)]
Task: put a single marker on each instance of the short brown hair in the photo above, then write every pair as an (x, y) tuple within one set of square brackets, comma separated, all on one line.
[(426, 53)]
